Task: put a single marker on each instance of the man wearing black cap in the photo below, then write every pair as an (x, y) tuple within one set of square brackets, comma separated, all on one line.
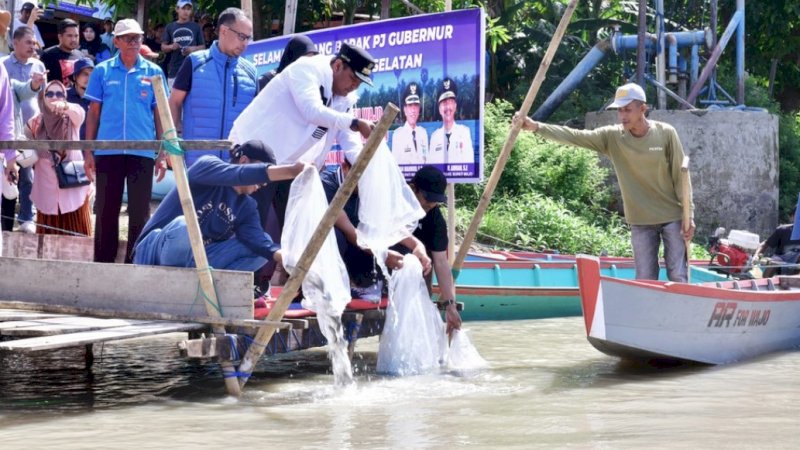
[(452, 143), (229, 223), (429, 185), (306, 108), (410, 142), (28, 15)]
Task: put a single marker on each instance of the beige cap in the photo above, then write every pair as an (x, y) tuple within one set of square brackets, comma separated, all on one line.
[(626, 94), (127, 26)]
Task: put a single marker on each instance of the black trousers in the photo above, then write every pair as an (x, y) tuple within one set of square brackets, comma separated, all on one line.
[(112, 174)]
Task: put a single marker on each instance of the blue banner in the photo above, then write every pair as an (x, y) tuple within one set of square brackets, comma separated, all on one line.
[(432, 66)]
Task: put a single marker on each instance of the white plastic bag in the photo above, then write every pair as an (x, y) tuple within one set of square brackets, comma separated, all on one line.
[(413, 341), (326, 287), (388, 209), (462, 356)]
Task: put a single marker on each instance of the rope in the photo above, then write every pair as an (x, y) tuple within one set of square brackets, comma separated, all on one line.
[(200, 293), (172, 144)]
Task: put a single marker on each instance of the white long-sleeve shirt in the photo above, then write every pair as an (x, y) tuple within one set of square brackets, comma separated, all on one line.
[(298, 116)]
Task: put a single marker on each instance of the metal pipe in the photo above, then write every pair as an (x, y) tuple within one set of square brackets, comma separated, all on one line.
[(672, 60), (661, 70), (712, 60), (694, 65), (665, 90), (640, 47), (624, 42), (586, 65), (740, 54)]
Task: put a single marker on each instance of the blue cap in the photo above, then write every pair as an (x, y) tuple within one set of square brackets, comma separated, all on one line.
[(83, 63)]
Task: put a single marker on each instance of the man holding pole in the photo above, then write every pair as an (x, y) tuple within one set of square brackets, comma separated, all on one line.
[(647, 157)]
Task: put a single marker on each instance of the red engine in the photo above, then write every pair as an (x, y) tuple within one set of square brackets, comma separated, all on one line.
[(732, 258)]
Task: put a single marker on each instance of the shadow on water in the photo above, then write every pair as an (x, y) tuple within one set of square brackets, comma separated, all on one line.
[(602, 373)]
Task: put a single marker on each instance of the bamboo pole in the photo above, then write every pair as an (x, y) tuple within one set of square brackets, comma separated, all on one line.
[(686, 203), (320, 234), (137, 315), (110, 145), (195, 237), (488, 191)]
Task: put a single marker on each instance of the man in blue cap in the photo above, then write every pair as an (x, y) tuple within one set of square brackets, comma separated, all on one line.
[(82, 69)]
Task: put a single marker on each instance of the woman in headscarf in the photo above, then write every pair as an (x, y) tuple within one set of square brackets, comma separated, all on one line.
[(92, 46), (59, 211), (297, 47)]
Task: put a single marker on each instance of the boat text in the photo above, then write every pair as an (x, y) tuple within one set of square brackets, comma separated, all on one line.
[(728, 314)]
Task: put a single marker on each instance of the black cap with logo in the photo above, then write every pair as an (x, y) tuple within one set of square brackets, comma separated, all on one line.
[(411, 94), (359, 60), (432, 182), (254, 150), (27, 6), (447, 89)]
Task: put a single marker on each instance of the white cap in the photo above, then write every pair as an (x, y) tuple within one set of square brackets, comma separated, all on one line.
[(127, 26), (626, 94)]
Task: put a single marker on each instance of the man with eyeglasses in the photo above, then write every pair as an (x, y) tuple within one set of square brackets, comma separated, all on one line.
[(123, 108), (59, 59), (214, 86), (181, 38)]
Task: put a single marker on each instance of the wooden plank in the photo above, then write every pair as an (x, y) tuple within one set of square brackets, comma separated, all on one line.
[(115, 314), (62, 325), (50, 246), (94, 337), (123, 287), (787, 282)]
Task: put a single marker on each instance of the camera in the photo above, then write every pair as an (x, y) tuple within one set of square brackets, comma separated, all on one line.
[(46, 13)]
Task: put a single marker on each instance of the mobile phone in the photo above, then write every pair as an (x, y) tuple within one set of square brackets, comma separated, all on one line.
[(47, 13)]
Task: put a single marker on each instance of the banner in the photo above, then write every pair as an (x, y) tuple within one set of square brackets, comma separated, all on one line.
[(432, 67)]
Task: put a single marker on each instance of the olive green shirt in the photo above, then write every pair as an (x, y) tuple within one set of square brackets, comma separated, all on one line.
[(648, 168)]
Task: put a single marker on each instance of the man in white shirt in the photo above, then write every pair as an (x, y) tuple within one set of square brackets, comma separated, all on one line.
[(24, 19), (305, 109), (452, 143), (410, 142)]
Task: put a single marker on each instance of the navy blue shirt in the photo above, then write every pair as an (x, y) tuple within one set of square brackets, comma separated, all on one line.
[(331, 181), (221, 211), (73, 97)]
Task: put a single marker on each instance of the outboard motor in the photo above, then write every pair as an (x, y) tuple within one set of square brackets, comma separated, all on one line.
[(732, 255)]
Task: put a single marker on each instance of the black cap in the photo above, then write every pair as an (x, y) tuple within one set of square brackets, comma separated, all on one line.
[(255, 150), (447, 89), (411, 94), (432, 182), (27, 6), (359, 60)]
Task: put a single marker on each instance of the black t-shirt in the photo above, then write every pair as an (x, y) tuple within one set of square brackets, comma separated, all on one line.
[(183, 79), (432, 231), (331, 181), (187, 34), (781, 240), (59, 63)]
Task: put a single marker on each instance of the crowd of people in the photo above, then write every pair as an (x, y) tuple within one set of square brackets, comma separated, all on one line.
[(97, 85)]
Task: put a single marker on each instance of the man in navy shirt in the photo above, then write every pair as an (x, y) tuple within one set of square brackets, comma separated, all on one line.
[(229, 222)]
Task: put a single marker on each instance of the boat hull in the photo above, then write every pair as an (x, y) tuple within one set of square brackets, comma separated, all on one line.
[(708, 323)]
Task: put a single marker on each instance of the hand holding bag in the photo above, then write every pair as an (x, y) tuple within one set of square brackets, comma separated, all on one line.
[(70, 173)]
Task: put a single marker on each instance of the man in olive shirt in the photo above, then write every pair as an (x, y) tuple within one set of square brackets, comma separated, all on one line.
[(647, 157)]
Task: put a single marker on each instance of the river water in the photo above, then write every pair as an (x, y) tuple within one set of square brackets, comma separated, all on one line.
[(547, 387)]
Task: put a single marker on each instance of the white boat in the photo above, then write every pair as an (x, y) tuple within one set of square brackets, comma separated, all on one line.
[(711, 323)]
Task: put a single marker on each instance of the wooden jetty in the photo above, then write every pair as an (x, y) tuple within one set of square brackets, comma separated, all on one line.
[(145, 300)]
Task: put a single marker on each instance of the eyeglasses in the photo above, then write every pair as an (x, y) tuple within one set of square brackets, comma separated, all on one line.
[(242, 37), (56, 94), (131, 38)]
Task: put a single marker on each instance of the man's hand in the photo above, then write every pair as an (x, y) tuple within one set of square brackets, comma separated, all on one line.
[(528, 124), (88, 165), (278, 258), (422, 255), (11, 172), (688, 231), (160, 169), (37, 80), (452, 318), (364, 127), (394, 260)]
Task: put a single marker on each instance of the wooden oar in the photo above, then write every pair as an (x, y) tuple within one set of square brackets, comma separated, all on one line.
[(686, 203), (195, 237), (511, 139), (289, 291)]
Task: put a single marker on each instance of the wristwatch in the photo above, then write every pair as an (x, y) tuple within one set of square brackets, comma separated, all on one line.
[(443, 304)]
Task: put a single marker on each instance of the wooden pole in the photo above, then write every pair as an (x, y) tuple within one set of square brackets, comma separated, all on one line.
[(320, 234), (289, 17), (247, 7), (137, 315), (488, 191), (686, 203), (195, 237)]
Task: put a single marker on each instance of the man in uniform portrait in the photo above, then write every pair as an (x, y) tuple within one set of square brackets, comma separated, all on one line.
[(452, 143), (410, 142)]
